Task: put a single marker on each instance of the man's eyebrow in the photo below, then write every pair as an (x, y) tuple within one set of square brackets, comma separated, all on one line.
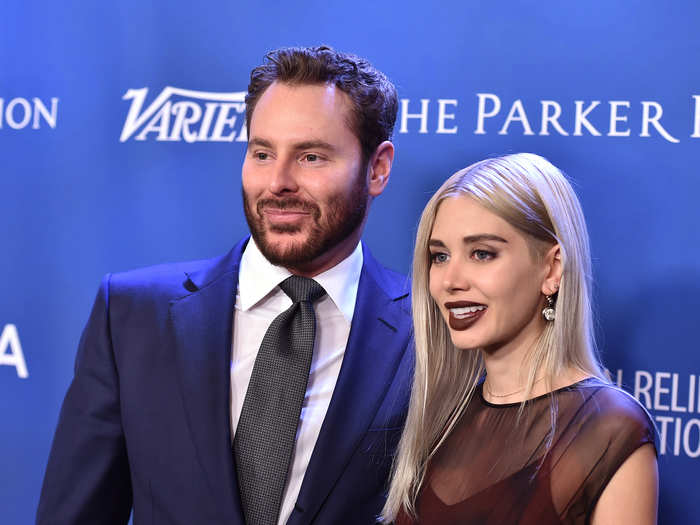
[(297, 146), (469, 239), (257, 141), (314, 144)]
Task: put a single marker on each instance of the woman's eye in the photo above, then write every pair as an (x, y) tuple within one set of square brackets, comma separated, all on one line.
[(438, 257), (482, 255)]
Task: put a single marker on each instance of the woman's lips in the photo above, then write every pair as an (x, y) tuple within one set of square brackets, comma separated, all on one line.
[(463, 314)]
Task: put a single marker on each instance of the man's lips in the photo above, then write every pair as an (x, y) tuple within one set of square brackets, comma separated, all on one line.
[(284, 215), (287, 211), (463, 314)]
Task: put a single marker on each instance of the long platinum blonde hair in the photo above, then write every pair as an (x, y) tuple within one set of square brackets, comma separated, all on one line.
[(533, 196)]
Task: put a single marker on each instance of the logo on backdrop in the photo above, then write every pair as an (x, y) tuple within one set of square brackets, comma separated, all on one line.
[(20, 113), (673, 400), (177, 115), (546, 117), (11, 351)]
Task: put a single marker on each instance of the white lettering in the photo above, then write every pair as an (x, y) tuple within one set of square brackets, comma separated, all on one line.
[(134, 118), (677, 438), (664, 420), (640, 390), (210, 108), (423, 115), (582, 120), (696, 127), (10, 339), (243, 135), (658, 390), (674, 395), (223, 120), (482, 114), (618, 378), (181, 127), (654, 121), (691, 393), (18, 118), (516, 109), (442, 115), (41, 110), (10, 115), (615, 118), (686, 439), (159, 123), (548, 118), (156, 116)]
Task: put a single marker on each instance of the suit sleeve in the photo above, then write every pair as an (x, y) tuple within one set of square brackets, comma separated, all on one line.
[(87, 478)]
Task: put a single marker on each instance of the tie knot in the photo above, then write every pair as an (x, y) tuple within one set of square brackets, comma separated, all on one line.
[(302, 289)]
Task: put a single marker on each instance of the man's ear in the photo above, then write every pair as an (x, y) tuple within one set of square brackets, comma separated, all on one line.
[(379, 168), (553, 269)]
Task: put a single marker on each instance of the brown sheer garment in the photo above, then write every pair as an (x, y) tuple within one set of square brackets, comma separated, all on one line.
[(493, 469)]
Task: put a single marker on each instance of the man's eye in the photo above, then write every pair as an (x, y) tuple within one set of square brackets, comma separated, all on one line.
[(310, 157), (483, 255), (260, 155), (438, 257)]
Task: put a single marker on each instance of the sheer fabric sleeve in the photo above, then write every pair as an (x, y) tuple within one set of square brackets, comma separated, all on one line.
[(595, 441)]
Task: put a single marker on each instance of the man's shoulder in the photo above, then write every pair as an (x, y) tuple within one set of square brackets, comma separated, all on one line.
[(166, 274), (395, 284), (173, 280)]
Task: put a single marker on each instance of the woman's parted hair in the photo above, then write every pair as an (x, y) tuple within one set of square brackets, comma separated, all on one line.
[(533, 196)]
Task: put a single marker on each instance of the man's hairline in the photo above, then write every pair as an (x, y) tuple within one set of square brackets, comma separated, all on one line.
[(348, 119)]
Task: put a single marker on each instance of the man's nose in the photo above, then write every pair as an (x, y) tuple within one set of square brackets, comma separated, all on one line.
[(284, 177)]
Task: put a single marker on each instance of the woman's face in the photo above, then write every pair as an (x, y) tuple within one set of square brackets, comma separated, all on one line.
[(485, 278)]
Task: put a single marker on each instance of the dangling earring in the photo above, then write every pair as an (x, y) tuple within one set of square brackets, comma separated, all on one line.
[(549, 312)]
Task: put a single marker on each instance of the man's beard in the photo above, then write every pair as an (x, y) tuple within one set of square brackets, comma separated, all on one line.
[(344, 214)]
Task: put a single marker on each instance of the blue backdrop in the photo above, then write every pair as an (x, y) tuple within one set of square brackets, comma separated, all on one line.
[(121, 146)]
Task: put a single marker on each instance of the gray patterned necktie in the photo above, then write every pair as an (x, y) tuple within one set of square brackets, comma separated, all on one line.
[(267, 427)]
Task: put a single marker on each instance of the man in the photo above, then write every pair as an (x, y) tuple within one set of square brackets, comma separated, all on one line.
[(187, 376)]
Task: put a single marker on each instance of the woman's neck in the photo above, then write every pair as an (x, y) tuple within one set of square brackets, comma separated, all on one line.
[(506, 376), (507, 372)]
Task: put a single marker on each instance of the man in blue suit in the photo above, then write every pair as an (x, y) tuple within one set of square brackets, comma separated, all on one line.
[(165, 361)]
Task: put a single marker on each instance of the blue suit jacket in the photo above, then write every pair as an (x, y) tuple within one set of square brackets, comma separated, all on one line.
[(146, 420)]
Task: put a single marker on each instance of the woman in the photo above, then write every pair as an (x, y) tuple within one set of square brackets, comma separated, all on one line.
[(512, 419)]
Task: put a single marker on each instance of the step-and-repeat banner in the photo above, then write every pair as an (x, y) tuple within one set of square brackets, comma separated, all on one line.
[(122, 136)]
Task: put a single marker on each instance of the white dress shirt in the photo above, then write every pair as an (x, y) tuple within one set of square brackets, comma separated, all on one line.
[(259, 300)]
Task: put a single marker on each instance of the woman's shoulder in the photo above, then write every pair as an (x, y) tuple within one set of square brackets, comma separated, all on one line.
[(599, 427), (609, 411)]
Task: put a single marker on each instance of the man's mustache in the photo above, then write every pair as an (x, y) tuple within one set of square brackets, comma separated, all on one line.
[(289, 203)]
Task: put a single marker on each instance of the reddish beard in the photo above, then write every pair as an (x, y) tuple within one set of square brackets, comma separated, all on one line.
[(342, 216)]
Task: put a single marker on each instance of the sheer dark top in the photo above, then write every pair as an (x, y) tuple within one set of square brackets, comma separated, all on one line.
[(493, 469)]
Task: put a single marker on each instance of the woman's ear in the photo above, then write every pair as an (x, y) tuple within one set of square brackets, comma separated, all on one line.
[(553, 270)]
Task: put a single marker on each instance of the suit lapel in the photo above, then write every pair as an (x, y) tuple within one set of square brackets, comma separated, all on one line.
[(370, 362), (202, 324)]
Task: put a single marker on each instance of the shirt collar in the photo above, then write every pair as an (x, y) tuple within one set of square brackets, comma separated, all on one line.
[(258, 277)]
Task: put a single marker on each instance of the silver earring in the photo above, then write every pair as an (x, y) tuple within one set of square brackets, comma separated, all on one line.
[(549, 312)]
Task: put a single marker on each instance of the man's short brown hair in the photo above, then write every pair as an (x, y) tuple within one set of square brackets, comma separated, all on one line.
[(373, 96)]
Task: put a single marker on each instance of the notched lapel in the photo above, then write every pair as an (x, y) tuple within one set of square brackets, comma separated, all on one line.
[(375, 348), (202, 324)]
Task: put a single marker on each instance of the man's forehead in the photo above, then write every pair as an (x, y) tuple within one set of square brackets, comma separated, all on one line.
[(301, 112)]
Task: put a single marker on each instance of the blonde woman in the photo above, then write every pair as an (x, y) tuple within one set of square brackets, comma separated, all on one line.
[(512, 419)]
